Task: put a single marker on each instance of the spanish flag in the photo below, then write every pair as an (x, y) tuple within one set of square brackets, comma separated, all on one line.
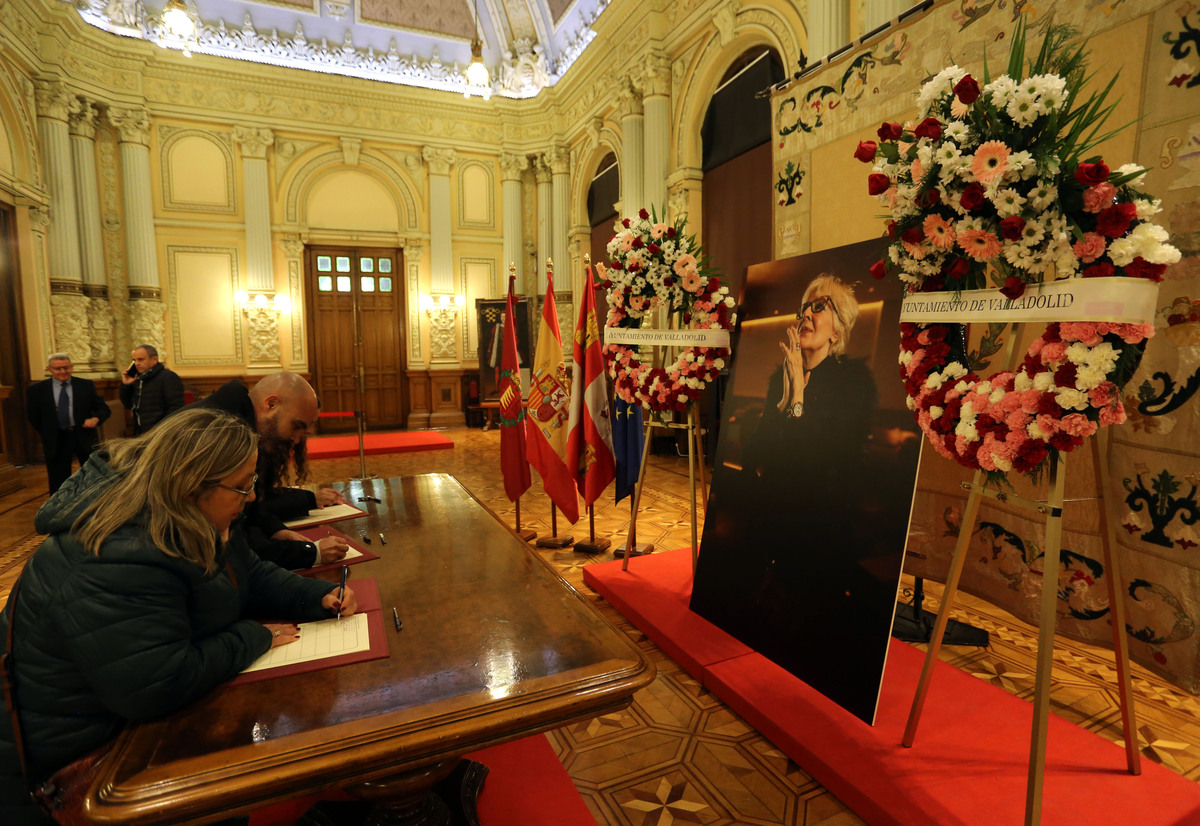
[(549, 407)]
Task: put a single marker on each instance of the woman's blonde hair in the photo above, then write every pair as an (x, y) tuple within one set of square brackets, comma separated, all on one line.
[(843, 298), (161, 475)]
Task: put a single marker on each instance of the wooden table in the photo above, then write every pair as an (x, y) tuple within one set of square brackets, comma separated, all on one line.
[(495, 646)]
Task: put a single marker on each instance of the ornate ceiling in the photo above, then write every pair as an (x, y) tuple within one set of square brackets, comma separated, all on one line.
[(527, 44)]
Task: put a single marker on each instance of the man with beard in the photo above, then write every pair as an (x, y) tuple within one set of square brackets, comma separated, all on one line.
[(282, 408)]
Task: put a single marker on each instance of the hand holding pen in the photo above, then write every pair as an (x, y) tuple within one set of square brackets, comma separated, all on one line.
[(344, 606)]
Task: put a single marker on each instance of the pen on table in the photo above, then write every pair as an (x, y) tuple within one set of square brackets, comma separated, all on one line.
[(382, 538), (396, 618), (342, 590)]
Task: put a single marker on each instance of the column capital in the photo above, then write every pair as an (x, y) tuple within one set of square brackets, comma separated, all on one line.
[(439, 160), (629, 99), (511, 166), (54, 99), (253, 140), (39, 218), (559, 159), (413, 253), (83, 120), (656, 76), (293, 248), (133, 124), (541, 169)]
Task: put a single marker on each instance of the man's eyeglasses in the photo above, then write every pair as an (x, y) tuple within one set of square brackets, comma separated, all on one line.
[(817, 305), (245, 493)]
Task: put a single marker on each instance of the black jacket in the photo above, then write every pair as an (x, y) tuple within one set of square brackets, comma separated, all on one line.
[(43, 412), (129, 635), (154, 395), (265, 515)]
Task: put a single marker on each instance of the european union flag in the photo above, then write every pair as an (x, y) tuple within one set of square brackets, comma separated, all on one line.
[(628, 439)]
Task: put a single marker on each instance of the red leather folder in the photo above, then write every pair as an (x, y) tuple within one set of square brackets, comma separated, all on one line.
[(320, 532)]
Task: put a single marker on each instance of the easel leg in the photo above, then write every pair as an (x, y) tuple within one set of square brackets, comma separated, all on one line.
[(1116, 603), (700, 458), (692, 483), (637, 497), (939, 626), (1045, 655)]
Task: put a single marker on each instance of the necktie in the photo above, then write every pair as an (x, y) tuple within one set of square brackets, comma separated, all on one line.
[(64, 406)]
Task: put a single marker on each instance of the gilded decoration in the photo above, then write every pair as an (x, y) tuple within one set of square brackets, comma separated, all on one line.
[(439, 160), (83, 120), (70, 311), (253, 141), (133, 124), (443, 334), (512, 167), (55, 100), (263, 339), (114, 238), (412, 258), (147, 324), (293, 249), (100, 331)]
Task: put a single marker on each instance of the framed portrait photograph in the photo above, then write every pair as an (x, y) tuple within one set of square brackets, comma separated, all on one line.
[(490, 313), (814, 474)]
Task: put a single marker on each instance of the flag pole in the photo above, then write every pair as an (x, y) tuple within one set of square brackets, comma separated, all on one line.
[(554, 540), (528, 534), (593, 545)]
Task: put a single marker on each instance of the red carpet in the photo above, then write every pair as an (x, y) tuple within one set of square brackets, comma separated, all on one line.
[(969, 762), (332, 447), (526, 785)]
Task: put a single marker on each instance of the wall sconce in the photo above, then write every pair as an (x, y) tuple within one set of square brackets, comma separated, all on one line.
[(260, 303), (442, 308)]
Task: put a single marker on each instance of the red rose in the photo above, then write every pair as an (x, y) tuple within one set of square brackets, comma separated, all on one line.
[(670, 232), (866, 151), (878, 270), (1012, 227), (1013, 287), (913, 235), (668, 281), (967, 90), (929, 128), (1101, 270), (617, 265), (625, 223), (655, 249), (1090, 174), (643, 214), (1114, 221), (959, 268), (972, 196), (928, 198), (877, 183), (637, 243), (890, 132), (890, 226), (1141, 268)]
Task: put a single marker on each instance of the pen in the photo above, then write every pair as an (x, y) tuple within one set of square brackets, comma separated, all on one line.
[(363, 535), (396, 619), (342, 590), (382, 538)]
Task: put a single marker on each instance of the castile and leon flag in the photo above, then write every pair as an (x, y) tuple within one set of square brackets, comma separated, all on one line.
[(589, 430)]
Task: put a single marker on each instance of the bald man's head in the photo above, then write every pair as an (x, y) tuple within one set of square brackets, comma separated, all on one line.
[(285, 407)]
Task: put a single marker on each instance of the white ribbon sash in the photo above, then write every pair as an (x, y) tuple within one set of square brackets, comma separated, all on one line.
[(1115, 300)]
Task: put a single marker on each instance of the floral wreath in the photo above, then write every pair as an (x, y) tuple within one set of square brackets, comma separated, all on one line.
[(654, 263), (993, 180)]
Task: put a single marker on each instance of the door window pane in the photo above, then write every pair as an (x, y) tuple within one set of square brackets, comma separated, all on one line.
[(367, 283), (343, 263), (385, 265), (324, 263), (343, 283), (366, 265), (325, 283), (385, 284)]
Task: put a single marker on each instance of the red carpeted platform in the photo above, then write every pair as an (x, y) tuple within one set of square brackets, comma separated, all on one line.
[(969, 763), (526, 785), (332, 447)]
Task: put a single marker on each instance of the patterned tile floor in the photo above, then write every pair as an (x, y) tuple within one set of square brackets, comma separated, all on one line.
[(677, 754)]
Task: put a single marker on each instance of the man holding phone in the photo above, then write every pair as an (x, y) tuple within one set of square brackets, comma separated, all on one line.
[(149, 389)]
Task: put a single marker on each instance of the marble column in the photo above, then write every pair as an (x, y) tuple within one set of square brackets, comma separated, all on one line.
[(541, 171), (511, 168), (878, 12), (91, 237), (68, 305), (260, 268), (656, 101), (560, 186), (441, 259), (632, 132), (828, 27), (147, 321)]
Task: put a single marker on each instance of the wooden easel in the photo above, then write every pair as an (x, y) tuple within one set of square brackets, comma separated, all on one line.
[(695, 458), (1052, 509)]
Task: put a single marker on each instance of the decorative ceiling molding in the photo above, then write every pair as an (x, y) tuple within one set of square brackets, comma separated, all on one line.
[(392, 41)]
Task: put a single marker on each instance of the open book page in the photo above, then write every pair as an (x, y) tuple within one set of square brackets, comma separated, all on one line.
[(330, 514), (318, 640)]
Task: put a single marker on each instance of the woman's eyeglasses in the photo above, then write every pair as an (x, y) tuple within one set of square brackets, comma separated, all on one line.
[(245, 493), (817, 305)]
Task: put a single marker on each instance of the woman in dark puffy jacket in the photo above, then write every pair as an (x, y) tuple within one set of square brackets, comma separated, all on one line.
[(137, 602)]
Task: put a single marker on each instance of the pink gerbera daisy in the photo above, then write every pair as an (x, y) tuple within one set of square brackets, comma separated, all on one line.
[(938, 231), (989, 161), (979, 244)]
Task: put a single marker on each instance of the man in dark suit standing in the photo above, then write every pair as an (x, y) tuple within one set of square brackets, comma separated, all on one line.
[(67, 413), (149, 389)]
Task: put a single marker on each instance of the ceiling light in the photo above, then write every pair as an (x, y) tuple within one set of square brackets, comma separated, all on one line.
[(477, 73), (177, 19)]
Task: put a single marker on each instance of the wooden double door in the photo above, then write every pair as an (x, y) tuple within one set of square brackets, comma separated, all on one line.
[(357, 334)]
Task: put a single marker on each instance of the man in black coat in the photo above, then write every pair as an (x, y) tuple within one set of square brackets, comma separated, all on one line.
[(282, 408), (149, 389), (69, 427)]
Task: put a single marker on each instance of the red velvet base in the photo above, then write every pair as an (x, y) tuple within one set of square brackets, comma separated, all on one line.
[(526, 785), (970, 759), (332, 447)]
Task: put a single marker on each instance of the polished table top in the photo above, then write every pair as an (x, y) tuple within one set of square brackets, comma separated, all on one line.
[(495, 646)]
